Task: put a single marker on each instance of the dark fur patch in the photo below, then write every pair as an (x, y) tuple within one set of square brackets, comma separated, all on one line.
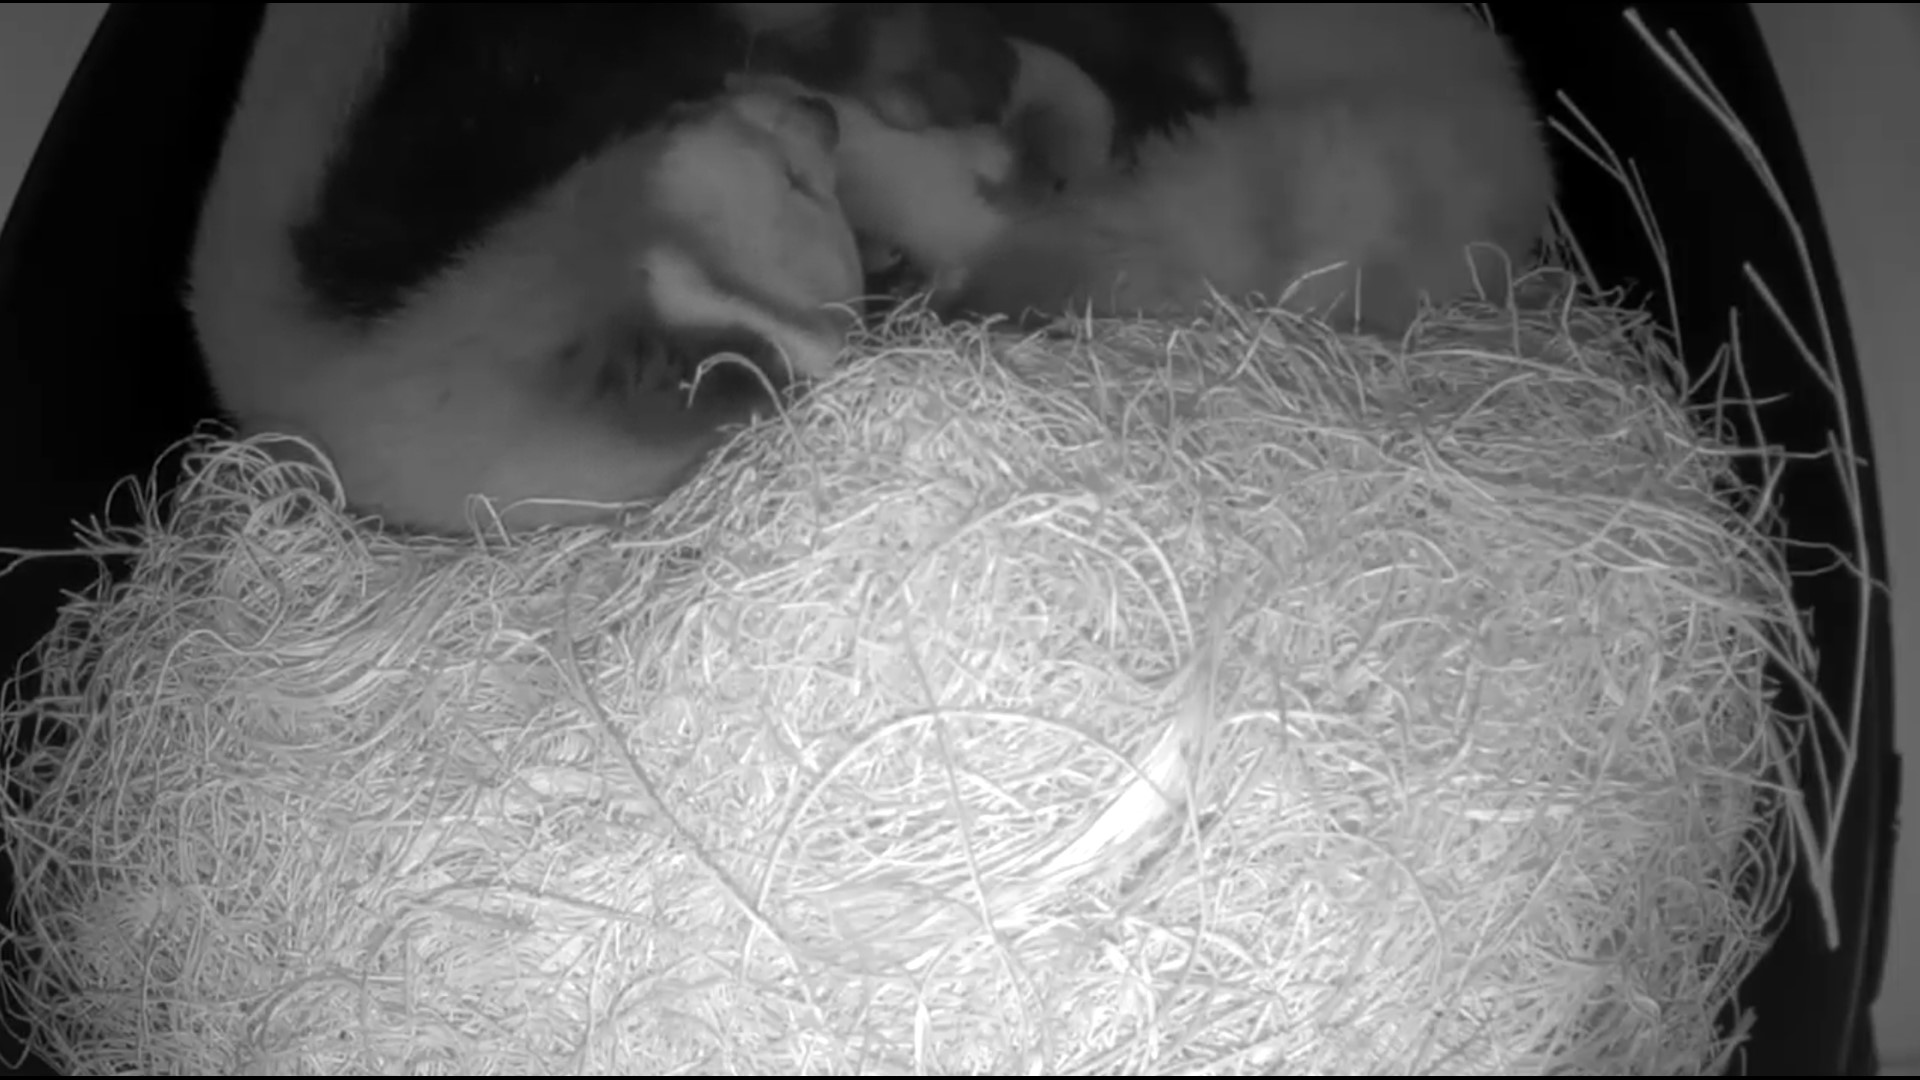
[(481, 106), (951, 60), (1161, 64)]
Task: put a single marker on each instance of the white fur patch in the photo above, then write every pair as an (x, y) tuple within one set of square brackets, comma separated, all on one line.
[(471, 389), (685, 295), (920, 191), (1381, 142), (925, 194)]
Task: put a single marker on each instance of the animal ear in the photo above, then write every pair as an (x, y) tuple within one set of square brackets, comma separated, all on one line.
[(1060, 119), (1039, 172)]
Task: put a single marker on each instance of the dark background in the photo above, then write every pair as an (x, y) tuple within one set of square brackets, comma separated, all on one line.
[(98, 374)]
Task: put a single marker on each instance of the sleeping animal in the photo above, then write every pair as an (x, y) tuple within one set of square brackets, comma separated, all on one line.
[(1369, 158), (475, 249)]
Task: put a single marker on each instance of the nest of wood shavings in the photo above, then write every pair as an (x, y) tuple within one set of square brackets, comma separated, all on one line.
[(1228, 697)]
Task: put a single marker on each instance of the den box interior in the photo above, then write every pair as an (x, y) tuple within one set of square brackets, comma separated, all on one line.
[(98, 374)]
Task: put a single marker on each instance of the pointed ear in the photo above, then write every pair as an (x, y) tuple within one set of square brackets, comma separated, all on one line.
[(1061, 122)]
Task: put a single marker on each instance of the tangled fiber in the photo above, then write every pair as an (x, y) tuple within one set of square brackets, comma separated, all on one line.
[(1231, 696)]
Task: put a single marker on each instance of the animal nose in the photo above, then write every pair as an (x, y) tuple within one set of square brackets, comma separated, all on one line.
[(822, 118)]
